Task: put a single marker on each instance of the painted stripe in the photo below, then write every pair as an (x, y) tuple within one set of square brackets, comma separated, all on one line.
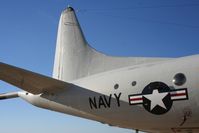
[(136, 102), (180, 91), (138, 96), (179, 97), (136, 99), (178, 94)]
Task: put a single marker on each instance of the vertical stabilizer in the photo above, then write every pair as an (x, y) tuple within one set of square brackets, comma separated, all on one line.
[(71, 49), (75, 59)]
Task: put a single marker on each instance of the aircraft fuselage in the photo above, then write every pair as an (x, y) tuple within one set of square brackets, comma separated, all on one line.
[(156, 96)]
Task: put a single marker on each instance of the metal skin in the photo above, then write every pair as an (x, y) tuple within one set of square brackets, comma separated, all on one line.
[(92, 85), (75, 101)]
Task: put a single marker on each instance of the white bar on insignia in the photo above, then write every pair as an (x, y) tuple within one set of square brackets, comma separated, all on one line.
[(177, 92), (136, 102), (178, 97), (135, 97)]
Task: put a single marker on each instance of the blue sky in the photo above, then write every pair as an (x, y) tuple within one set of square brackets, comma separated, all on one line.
[(28, 31)]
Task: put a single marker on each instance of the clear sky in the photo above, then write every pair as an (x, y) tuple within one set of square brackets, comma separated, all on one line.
[(28, 31)]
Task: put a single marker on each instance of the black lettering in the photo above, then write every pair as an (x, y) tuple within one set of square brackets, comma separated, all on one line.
[(108, 103), (118, 98), (101, 102), (92, 103)]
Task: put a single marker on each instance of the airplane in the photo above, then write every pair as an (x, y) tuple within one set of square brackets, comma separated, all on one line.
[(155, 95)]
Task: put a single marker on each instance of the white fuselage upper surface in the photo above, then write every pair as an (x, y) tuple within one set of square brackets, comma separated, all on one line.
[(105, 97)]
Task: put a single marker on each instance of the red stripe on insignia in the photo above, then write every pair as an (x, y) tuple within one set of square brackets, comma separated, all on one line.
[(135, 99), (178, 94)]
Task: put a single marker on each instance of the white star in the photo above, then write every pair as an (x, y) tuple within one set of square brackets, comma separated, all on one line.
[(156, 99)]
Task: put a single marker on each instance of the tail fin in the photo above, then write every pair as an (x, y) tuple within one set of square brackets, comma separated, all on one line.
[(75, 59)]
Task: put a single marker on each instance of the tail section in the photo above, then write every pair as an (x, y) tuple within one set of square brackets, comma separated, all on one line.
[(71, 49), (75, 59)]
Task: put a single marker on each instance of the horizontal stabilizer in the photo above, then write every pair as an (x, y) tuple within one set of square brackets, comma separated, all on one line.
[(29, 81), (8, 95)]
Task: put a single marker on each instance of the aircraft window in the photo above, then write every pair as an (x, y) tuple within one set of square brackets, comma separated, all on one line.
[(133, 83), (116, 86), (179, 79)]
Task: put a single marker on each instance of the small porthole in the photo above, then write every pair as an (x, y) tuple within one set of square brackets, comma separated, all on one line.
[(134, 83), (116, 86), (179, 79)]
